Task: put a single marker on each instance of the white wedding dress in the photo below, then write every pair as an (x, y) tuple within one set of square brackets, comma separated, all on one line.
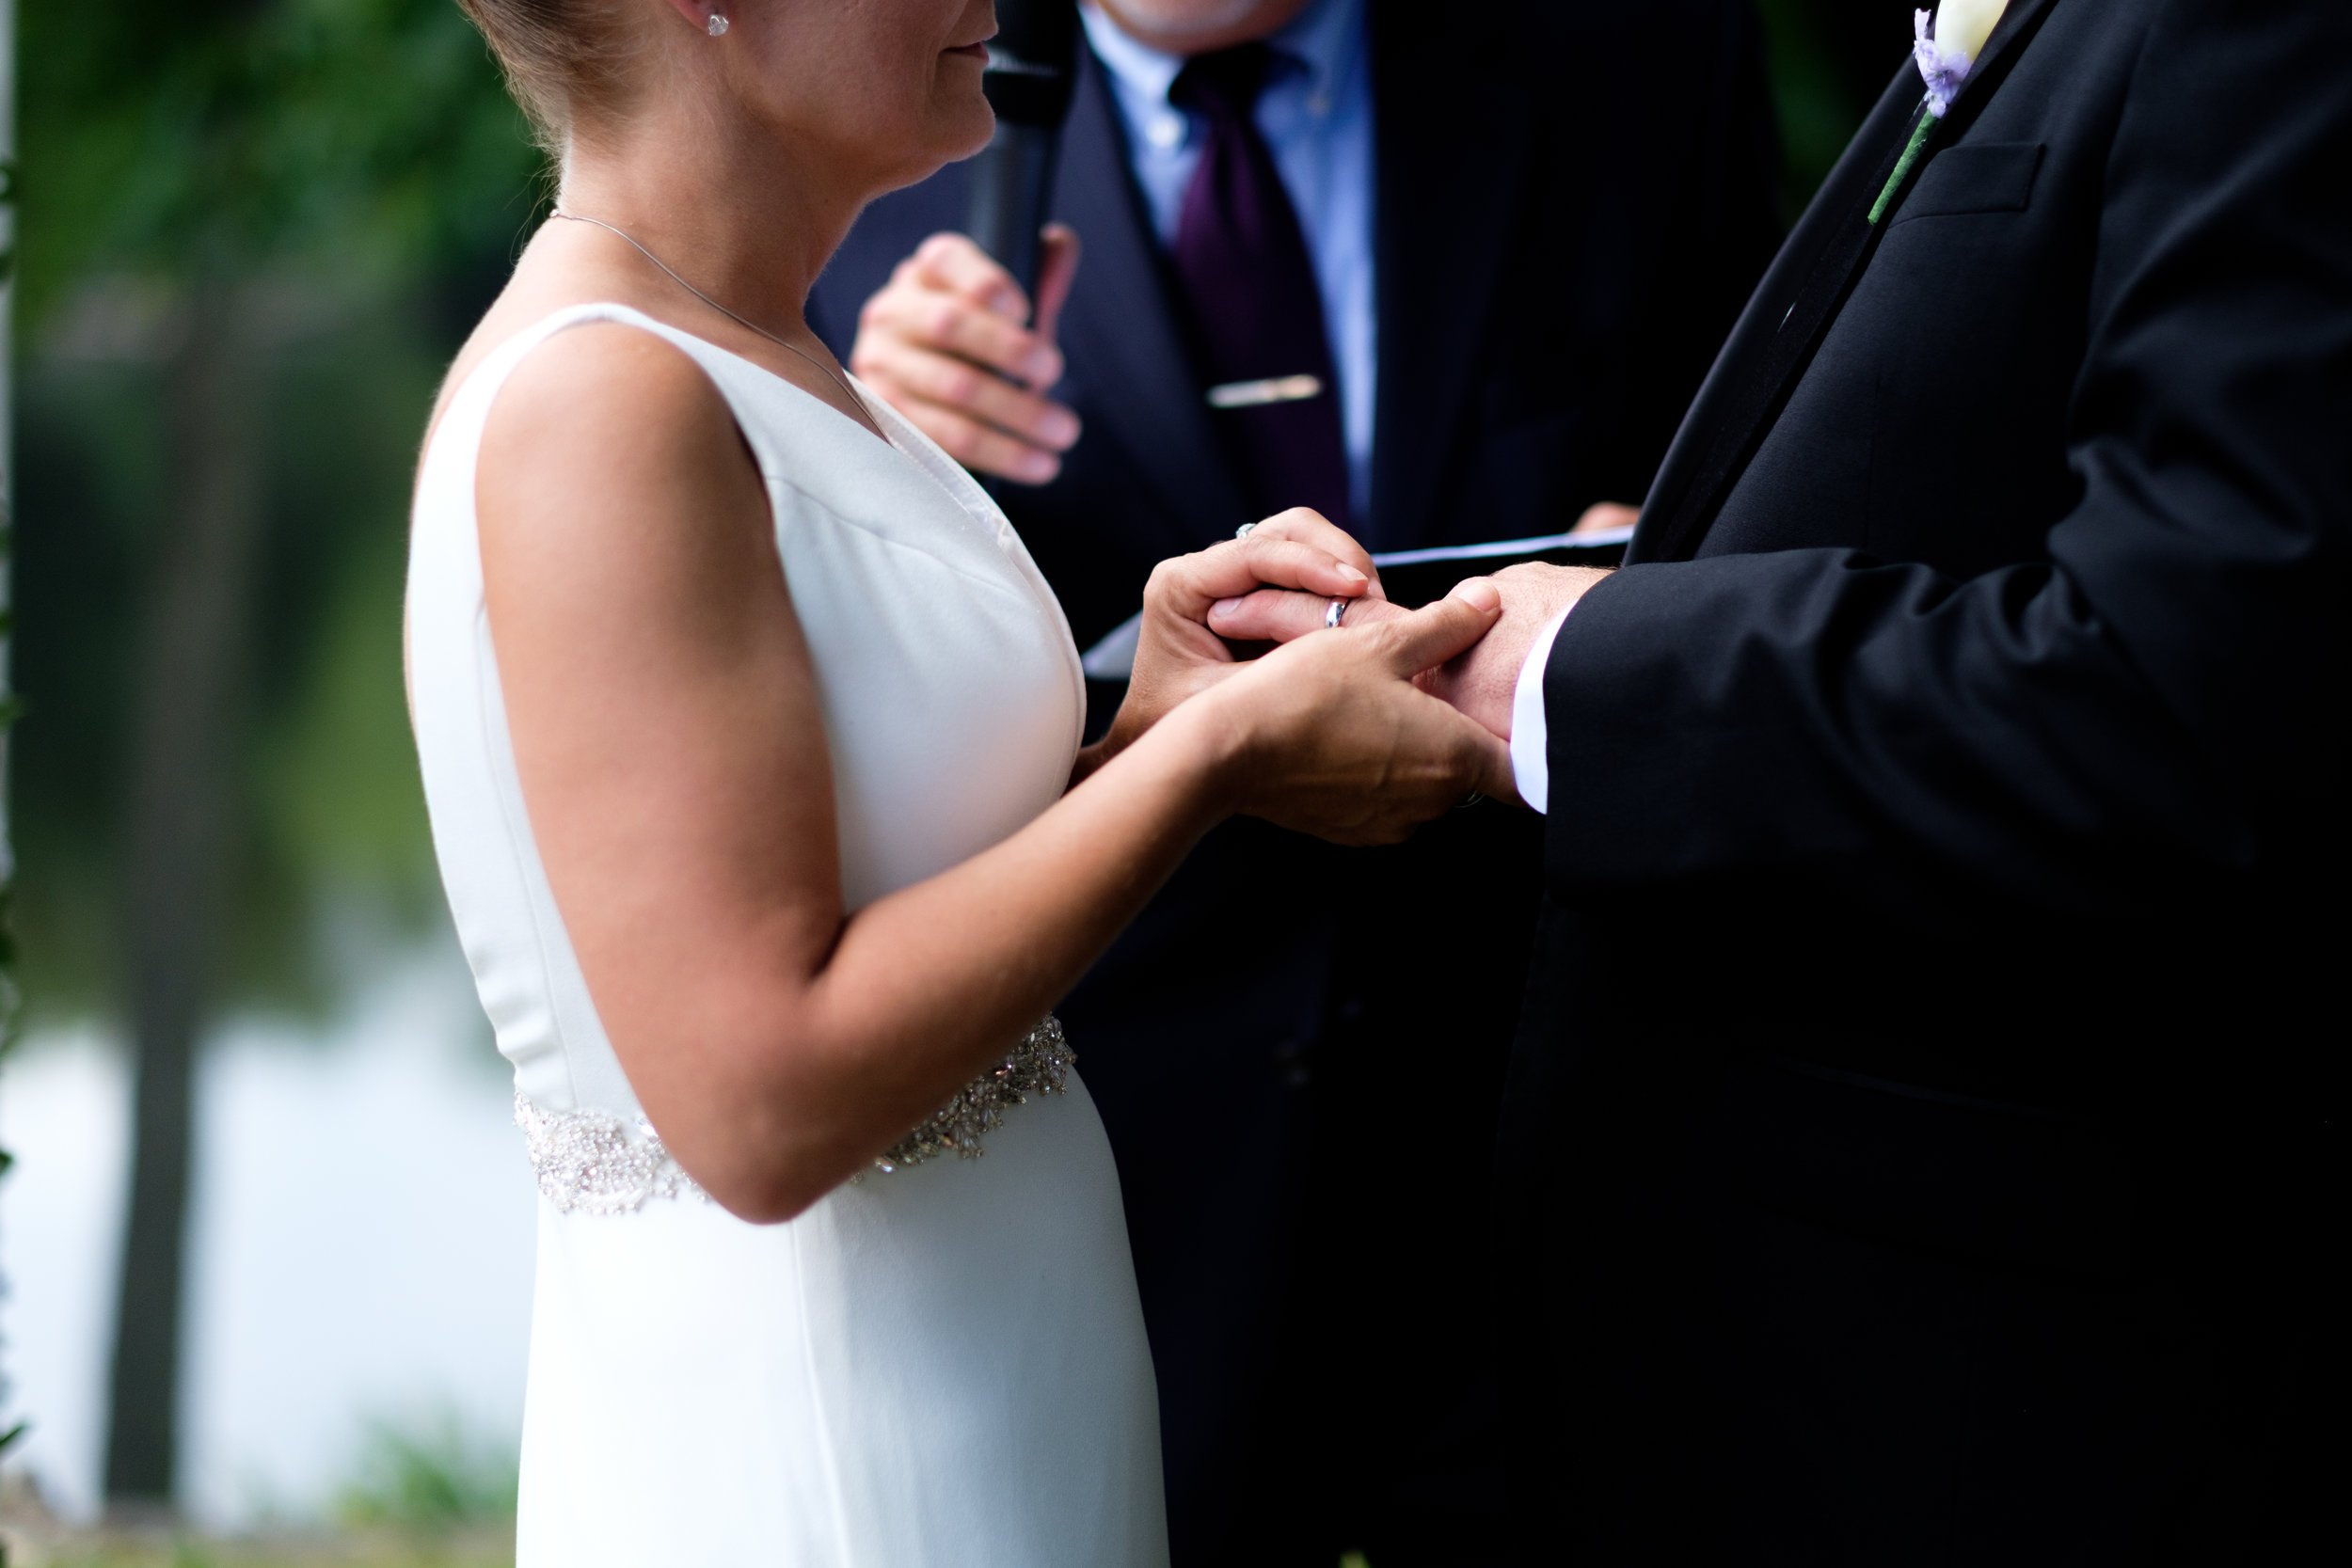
[(940, 1364)]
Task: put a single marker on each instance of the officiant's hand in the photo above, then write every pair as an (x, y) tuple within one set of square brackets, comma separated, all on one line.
[(1479, 681), (951, 342)]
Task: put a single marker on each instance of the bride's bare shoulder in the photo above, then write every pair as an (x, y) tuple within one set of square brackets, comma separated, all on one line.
[(606, 421), (615, 499), (600, 386), (606, 445)]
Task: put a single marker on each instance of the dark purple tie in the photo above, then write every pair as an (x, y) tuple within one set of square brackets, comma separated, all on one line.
[(1257, 313)]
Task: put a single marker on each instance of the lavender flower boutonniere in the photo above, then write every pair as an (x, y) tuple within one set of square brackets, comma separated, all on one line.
[(1946, 54), (1943, 65)]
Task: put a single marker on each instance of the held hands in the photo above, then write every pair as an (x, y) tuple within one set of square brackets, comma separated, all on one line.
[(1179, 655), (949, 341), (1329, 736), (1479, 680)]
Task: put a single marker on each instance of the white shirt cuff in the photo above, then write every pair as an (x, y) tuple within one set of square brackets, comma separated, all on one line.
[(1530, 768)]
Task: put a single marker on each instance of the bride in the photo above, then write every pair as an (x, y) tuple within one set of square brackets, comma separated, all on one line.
[(751, 738)]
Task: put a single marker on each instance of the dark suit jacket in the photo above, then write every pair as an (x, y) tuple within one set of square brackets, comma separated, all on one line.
[(1298, 1077), (1923, 1135)]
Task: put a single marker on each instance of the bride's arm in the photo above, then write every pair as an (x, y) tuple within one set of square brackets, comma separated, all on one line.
[(672, 751)]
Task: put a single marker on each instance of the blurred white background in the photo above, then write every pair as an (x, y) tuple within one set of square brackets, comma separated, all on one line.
[(359, 1246)]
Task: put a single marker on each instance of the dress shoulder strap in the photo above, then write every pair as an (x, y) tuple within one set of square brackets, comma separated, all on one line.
[(469, 410)]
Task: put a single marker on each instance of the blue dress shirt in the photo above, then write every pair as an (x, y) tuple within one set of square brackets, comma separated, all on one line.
[(1315, 116)]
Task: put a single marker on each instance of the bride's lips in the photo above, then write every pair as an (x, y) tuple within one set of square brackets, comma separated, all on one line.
[(977, 51)]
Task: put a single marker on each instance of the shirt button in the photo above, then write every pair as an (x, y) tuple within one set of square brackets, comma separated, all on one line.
[(1165, 131)]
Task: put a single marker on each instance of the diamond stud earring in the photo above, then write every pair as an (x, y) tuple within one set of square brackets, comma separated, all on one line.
[(718, 23)]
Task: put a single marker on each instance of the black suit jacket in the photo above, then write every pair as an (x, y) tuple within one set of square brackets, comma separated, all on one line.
[(1295, 1068), (1923, 1128)]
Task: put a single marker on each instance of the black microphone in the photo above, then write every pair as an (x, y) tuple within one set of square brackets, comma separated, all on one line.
[(1032, 69)]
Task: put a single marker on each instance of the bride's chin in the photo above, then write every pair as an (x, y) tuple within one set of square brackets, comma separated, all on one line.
[(970, 124), (937, 152)]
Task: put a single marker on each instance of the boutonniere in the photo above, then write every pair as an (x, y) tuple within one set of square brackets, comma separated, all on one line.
[(1946, 54)]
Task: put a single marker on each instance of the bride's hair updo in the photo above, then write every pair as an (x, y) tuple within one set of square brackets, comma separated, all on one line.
[(558, 56)]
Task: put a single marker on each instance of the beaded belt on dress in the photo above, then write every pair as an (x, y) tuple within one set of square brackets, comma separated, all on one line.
[(594, 1163)]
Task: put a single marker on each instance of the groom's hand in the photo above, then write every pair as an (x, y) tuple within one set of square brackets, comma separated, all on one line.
[(951, 343), (1480, 680)]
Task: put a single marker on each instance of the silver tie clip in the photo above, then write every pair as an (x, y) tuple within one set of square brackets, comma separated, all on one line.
[(1255, 394)]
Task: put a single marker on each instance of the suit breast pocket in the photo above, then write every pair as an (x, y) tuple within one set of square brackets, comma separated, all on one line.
[(1987, 177)]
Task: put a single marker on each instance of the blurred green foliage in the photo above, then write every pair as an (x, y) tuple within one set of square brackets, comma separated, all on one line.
[(1830, 61), (1816, 111), (426, 1495), (430, 1480), (387, 1550), (354, 169), (362, 141)]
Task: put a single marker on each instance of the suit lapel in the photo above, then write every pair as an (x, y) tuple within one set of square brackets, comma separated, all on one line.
[(1793, 308), (1450, 146), (1121, 325)]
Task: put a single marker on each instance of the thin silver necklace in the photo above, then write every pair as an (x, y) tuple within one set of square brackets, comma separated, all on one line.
[(850, 393)]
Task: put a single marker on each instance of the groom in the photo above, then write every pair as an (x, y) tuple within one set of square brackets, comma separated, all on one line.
[(1925, 1139)]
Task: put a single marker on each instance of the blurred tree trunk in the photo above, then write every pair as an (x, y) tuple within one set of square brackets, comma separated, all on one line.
[(181, 805), (7, 520)]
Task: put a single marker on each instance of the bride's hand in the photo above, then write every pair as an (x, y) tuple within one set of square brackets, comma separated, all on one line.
[(1331, 736), (1177, 655)]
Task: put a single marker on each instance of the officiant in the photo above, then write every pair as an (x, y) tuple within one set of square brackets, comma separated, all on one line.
[(1447, 274)]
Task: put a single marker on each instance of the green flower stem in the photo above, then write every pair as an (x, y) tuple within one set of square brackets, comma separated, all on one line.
[(1919, 135)]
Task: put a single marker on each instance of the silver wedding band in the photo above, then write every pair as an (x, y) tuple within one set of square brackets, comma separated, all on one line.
[(1331, 613)]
